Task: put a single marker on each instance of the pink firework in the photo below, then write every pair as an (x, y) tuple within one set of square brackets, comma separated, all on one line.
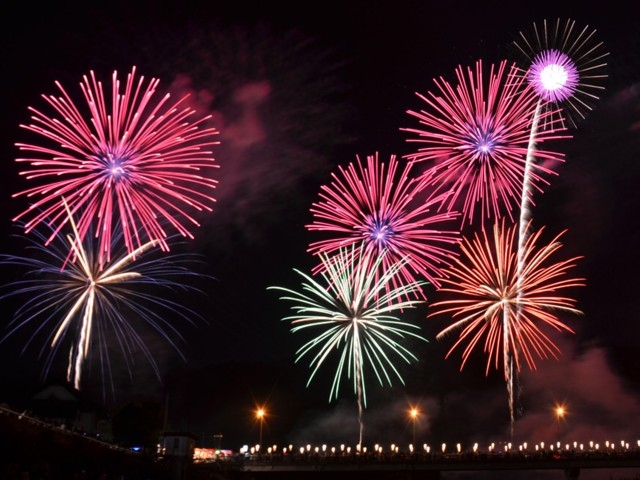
[(565, 65), (386, 210), (476, 136), (135, 160)]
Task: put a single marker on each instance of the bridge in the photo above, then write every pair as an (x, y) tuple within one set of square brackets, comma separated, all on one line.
[(422, 466)]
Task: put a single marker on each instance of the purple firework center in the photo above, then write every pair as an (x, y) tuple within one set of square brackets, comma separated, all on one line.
[(381, 232), (554, 76), (484, 144), (115, 167)]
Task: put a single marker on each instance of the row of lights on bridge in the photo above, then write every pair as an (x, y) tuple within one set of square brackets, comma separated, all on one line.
[(560, 412), (379, 449)]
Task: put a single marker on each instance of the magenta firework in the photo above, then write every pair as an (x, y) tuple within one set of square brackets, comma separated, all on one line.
[(385, 208), (566, 66), (132, 159), (476, 136)]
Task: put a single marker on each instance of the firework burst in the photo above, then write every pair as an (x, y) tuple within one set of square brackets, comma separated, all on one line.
[(137, 162), (353, 311), (566, 66), (476, 136), (93, 308), (385, 209), (508, 306)]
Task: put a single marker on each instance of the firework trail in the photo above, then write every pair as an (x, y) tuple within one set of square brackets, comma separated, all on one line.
[(385, 209), (136, 161), (476, 137), (565, 66), (509, 307), (95, 307), (353, 310)]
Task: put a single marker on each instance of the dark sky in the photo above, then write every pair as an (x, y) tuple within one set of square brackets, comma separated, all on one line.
[(329, 83)]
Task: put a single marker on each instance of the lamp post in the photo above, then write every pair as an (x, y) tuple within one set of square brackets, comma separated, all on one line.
[(260, 415), (560, 412), (414, 416)]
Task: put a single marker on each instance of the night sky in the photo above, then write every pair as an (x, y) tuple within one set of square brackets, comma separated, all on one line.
[(295, 92)]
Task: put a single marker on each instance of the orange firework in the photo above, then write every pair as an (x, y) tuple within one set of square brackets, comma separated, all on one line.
[(510, 306)]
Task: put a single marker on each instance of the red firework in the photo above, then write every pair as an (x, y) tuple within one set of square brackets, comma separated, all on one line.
[(136, 161), (385, 209), (477, 135)]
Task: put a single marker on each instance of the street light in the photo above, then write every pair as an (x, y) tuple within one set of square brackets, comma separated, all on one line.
[(414, 416), (260, 415), (560, 413)]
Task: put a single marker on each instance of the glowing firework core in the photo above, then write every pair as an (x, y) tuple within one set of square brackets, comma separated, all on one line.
[(554, 76), (115, 167), (484, 144), (381, 232)]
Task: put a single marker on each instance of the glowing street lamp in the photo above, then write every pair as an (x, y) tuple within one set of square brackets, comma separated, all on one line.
[(560, 412), (413, 413), (260, 413)]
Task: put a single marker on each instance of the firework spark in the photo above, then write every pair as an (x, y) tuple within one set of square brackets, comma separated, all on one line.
[(95, 309), (477, 135), (138, 162), (383, 208), (490, 298), (354, 309), (566, 66)]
